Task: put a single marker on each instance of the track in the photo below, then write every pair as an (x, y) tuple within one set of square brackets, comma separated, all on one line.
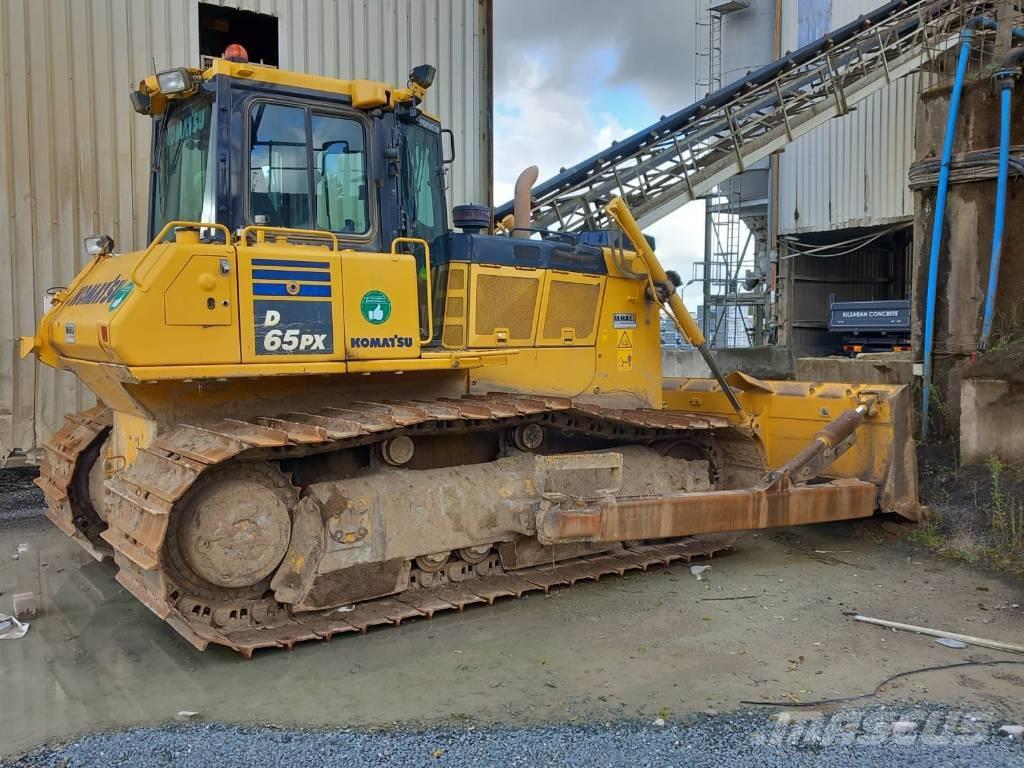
[(142, 502)]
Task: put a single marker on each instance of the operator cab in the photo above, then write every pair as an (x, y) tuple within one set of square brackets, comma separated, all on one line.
[(244, 145), (259, 153)]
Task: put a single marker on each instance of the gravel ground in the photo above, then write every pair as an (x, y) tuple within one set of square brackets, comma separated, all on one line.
[(861, 737), (20, 499)]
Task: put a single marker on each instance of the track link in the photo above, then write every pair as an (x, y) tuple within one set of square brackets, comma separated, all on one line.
[(141, 499)]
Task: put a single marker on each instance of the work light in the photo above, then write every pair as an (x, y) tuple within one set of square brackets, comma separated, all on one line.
[(174, 81)]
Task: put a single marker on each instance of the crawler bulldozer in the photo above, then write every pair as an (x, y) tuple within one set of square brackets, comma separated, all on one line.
[(316, 394)]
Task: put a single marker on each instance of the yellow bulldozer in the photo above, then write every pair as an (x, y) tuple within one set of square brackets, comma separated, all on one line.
[(316, 395)]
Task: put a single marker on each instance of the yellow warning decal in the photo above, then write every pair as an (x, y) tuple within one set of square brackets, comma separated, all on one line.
[(624, 359), (625, 342)]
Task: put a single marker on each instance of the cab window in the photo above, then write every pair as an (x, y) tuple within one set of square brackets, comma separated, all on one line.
[(423, 196), (182, 183), (339, 160), (307, 170), (278, 168)]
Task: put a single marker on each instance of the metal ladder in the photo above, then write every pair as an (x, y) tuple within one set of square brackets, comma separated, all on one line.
[(687, 154)]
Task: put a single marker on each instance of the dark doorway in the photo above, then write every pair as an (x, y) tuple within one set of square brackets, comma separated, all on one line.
[(219, 27)]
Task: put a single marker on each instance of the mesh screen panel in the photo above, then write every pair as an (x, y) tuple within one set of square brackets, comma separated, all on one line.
[(454, 336), (505, 302), (456, 307), (571, 305), (456, 279)]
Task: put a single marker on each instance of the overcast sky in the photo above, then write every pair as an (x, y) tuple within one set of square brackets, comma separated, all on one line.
[(569, 78)]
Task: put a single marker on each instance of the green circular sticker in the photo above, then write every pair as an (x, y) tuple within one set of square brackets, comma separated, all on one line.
[(375, 306)]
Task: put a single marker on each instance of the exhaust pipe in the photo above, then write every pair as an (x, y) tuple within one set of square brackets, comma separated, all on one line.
[(523, 203)]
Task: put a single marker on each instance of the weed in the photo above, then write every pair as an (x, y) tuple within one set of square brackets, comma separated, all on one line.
[(1006, 522), (926, 533), (1008, 332)]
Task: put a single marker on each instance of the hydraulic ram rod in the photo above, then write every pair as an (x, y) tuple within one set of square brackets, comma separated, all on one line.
[(619, 211)]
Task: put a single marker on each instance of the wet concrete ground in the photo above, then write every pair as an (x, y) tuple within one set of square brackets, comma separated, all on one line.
[(639, 647)]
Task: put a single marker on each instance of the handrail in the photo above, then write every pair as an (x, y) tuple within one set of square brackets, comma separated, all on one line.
[(430, 294), (261, 230), (159, 239)]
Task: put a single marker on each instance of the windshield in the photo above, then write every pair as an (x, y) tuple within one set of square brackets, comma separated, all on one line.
[(182, 182)]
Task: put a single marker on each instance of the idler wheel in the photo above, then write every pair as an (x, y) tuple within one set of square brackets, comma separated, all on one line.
[(234, 531)]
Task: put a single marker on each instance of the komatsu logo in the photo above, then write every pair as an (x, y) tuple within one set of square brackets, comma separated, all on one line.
[(380, 342), (99, 293)]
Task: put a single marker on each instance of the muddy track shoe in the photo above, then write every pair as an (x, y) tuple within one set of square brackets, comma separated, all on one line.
[(254, 533)]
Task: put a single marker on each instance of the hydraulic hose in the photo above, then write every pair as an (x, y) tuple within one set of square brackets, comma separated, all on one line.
[(1005, 77), (966, 37)]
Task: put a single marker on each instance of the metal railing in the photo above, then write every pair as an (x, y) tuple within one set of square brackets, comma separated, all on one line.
[(686, 155)]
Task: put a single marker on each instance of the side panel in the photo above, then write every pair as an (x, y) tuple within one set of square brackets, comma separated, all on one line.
[(618, 364), (153, 310), (504, 305), (291, 303), (383, 309), (569, 309), (201, 294)]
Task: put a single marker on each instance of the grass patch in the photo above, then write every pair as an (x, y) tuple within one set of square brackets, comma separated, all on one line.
[(977, 511)]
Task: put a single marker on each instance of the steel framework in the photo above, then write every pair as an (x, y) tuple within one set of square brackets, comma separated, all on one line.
[(686, 155)]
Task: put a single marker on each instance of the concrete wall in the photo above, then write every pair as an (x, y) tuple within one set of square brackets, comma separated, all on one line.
[(967, 243), (762, 362), (881, 368), (991, 421)]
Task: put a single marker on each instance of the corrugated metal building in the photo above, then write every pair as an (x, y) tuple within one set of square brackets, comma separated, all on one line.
[(842, 179), (74, 157), (852, 171)]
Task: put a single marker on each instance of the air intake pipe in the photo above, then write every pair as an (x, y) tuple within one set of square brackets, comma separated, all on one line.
[(966, 37), (1005, 78)]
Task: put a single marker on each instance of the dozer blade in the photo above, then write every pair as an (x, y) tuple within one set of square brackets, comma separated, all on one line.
[(786, 415), (778, 500)]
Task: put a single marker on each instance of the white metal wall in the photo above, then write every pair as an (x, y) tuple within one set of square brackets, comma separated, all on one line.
[(73, 154), (852, 171)]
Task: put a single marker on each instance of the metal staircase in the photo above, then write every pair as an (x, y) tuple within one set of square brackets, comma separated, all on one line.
[(687, 154)]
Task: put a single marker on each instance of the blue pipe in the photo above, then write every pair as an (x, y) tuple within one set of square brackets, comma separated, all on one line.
[(1005, 77), (1005, 94), (966, 36)]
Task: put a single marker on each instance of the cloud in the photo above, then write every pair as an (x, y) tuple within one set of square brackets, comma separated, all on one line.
[(571, 78), (647, 44)]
